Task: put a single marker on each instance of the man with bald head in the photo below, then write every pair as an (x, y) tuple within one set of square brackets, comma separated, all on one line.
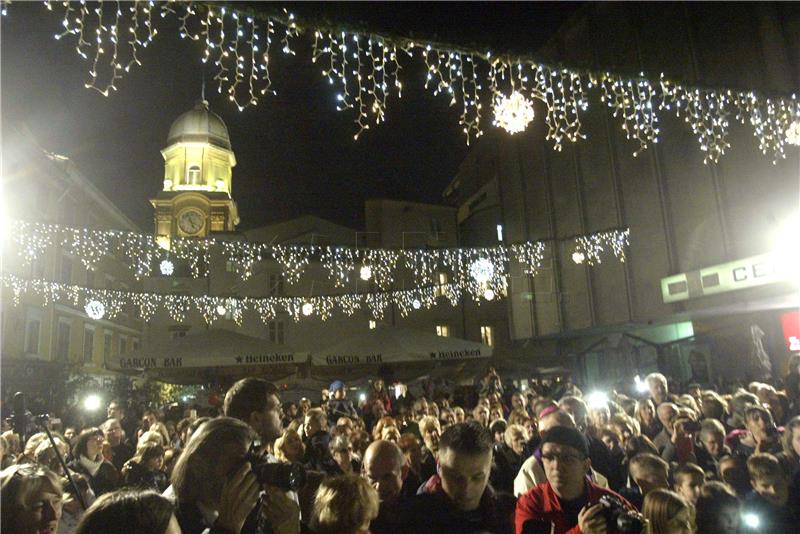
[(385, 468), (532, 473)]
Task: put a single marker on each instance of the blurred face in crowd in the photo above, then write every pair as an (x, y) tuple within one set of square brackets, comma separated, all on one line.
[(733, 472), (390, 433), (430, 435), (433, 410), (658, 390), (517, 442), (40, 513), (517, 402), (599, 416), (609, 442), (774, 489), (695, 392), (344, 459), (292, 446), (565, 468), (464, 477), (292, 410), (447, 417), (795, 440), (648, 479), (383, 472), (420, 408), (713, 443), (459, 414), (268, 422), (481, 415), (689, 487), (70, 434), (495, 414), (666, 414), (113, 433), (94, 445), (155, 464), (757, 426), (115, 411), (646, 413), (339, 394)]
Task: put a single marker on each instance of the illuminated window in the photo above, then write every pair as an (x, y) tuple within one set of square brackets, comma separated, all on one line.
[(372, 325), (487, 335), (193, 175), (441, 281), (500, 232), (442, 330)]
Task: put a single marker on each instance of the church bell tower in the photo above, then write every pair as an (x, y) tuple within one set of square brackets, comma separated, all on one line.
[(198, 162)]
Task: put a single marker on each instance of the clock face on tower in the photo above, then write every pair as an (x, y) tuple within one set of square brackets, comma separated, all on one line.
[(191, 222)]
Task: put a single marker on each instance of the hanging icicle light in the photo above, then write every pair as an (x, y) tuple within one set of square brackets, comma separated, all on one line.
[(512, 113), (793, 133)]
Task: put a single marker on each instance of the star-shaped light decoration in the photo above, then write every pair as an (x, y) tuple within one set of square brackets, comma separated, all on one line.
[(512, 113)]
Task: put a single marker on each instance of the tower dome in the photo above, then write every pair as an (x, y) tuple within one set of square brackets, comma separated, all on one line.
[(200, 125)]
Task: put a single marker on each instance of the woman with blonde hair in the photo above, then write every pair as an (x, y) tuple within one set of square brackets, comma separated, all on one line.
[(382, 423), (344, 504), (646, 415), (667, 512), (289, 447), (31, 498)]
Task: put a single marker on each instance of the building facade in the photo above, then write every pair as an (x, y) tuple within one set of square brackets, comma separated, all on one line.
[(687, 219), (44, 343)]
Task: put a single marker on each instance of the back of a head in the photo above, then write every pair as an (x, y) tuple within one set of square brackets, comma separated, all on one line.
[(380, 450), (469, 438), (659, 507), (715, 497), (651, 463), (127, 512), (246, 396), (638, 444), (344, 505)]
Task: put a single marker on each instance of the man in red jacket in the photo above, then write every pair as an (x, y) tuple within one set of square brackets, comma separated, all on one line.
[(568, 503)]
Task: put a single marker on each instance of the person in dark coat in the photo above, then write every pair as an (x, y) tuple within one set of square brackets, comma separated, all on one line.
[(339, 405), (143, 470), (88, 460)]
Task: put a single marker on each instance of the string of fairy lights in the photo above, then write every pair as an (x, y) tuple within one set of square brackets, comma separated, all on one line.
[(470, 268), (366, 70)]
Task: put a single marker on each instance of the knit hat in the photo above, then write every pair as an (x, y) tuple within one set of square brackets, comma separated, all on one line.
[(570, 437), (336, 385)]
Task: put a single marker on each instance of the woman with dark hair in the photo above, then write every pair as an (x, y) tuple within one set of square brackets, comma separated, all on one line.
[(792, 383), (88, 460), (130, 512), (215, 487), (790, 457), (144, 469)]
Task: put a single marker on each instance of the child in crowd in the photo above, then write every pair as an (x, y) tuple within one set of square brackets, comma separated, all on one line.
[(767, 508), (688, 481)]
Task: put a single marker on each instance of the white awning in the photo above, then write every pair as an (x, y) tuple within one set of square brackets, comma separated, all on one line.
[(210, 348), (388, 344)]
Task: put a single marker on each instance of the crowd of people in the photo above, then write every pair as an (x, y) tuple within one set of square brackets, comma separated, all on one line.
[(528, 460)]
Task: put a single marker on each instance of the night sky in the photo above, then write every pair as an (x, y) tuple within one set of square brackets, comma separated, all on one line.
[(295, 152)]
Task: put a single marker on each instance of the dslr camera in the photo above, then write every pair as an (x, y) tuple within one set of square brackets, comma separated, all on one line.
[(288, 477), (625, 521)]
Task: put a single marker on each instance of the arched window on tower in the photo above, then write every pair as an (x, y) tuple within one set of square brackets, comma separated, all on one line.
[(193, 175)]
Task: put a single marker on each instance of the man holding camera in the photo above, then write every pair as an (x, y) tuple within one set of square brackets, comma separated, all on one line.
[(568, 503), (255, 401)]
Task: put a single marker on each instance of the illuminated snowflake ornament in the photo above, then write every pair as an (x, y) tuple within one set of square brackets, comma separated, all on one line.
[(512, 113), (307, 309), (166, 267), (95, 309), (366, 272), (481, 270)]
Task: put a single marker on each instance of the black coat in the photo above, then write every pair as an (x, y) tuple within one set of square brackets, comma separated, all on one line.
[(106, 479)]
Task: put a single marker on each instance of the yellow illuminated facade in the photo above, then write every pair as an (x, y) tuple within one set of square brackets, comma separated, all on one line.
[(198, 167)]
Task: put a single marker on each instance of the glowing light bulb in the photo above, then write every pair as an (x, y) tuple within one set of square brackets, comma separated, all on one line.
[(578, 257), (92, 403), (307, 309), (365, 272), (166, 267), (488, 294), (221, 310), (416, 304)]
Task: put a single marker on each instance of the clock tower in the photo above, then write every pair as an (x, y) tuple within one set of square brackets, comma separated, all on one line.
[(198, 161)]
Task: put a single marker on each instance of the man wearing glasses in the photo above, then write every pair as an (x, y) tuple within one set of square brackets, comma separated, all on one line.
[(568, 502)]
